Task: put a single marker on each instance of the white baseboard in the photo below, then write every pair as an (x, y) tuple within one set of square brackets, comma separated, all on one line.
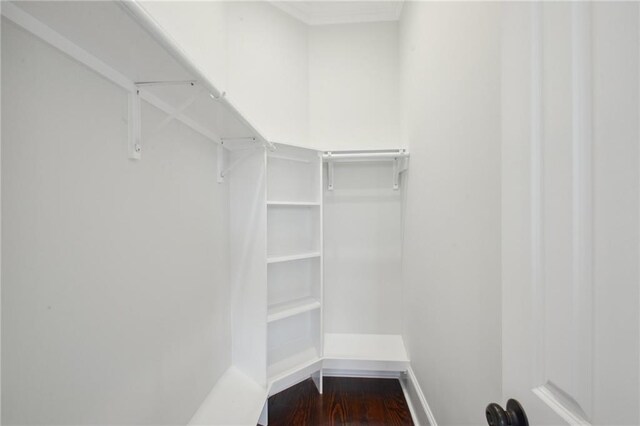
[(420, 410), (369, 374)]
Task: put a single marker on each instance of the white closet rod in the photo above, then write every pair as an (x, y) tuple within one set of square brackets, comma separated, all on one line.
[(399, 157), (364, 155), (157, 33)]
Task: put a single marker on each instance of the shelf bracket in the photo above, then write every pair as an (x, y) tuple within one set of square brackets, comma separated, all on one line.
[(178, 111), (222, 171), (221, 162), (399, 165), (135, 138)]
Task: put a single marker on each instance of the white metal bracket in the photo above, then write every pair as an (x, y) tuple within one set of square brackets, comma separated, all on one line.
[(221, 162), (224, 171), (178, 111), (399, 165), (135, 138), (329, 172)]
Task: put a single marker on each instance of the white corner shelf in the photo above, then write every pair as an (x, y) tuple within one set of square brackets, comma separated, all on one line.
[(139, 56), (293, 203), (288, 309), (291, 257), (293, 363), (234, 400)]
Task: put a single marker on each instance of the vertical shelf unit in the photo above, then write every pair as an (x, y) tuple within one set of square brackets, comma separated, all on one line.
[(294, 266)]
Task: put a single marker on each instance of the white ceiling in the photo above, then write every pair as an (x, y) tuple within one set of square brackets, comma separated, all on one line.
[(324, 12)]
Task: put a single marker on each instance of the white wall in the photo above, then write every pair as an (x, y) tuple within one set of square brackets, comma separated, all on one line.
[(115, 272), (354, 83), (362, 251), (251, 50), (325, 87), (450, 73)]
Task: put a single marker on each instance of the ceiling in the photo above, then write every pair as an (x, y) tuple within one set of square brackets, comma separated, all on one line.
[(325, 12)]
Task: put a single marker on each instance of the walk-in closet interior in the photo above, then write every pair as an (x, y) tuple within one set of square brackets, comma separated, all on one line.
[(207, 203)]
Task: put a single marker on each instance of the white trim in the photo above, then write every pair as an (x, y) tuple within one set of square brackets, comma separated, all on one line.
[(552, 400), (293, 9), (420, 410), (361, 374)]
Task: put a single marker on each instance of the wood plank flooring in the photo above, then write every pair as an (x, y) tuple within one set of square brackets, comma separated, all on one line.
[(345, 401)]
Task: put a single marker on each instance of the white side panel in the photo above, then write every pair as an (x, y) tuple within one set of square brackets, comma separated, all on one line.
[(317, 380), (248, 221)]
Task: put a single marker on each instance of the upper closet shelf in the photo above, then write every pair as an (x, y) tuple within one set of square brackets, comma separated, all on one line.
[(124, 44), (399, 157)]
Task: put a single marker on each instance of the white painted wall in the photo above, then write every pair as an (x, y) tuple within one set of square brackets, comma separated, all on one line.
[(115, 273), (254, 52), (450, 73), (328, 87), (354, 83), (362, 250)]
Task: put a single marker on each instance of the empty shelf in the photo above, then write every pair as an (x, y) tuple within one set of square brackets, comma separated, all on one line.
[(234, 400), (294, 307), (375, 347), (364, 352), (287, 258), (293, 203), (293, 363)]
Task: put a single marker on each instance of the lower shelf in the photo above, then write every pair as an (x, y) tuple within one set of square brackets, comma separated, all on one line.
[(292, 363), (375, 352), (234, 400), (294, 369)]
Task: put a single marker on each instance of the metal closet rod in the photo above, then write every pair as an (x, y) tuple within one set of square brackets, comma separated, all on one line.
[(365, 155), (155, 30)]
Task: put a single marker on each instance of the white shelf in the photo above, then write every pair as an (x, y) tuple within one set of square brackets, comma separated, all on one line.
[(137, 55), (365, 347), (283, 310), (234, 400), (291, 257), (293, 203), (293, 363)]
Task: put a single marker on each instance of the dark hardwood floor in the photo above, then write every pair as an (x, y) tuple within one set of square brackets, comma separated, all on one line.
[(345, 401)]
